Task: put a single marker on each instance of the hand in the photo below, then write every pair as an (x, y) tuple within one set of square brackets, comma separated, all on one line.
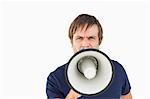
[(72, 95)]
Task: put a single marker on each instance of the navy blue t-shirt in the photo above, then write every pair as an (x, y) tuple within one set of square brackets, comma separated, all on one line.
[(57, 86)]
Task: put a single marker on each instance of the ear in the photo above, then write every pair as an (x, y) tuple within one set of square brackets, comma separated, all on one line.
[(100, 40), (71, 41)]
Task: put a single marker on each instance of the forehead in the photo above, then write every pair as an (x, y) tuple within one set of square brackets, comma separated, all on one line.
[(89, 30)]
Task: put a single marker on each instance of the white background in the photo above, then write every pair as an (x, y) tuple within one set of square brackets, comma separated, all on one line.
[(34, 42)]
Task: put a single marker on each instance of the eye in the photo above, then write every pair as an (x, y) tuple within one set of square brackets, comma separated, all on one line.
[(91, 38), (79, 38)]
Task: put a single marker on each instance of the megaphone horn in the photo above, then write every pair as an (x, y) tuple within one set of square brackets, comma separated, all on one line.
[(89, 72)]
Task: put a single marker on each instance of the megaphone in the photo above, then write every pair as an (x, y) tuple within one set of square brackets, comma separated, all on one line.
[(89, 72)]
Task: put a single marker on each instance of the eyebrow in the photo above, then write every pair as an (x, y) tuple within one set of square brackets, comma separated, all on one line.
[(88, 36)]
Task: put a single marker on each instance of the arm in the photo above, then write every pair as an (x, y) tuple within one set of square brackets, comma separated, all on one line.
[(52, 89), (127, 96)]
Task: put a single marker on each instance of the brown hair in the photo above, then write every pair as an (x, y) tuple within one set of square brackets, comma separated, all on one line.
[(81, 21)]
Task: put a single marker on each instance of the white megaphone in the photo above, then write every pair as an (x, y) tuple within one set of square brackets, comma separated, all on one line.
[(89, 72)]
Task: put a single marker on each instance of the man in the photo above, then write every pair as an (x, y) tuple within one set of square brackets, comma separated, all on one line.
[(86, 32)]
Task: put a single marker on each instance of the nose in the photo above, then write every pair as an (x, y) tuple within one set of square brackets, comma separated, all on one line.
[(85, 44)]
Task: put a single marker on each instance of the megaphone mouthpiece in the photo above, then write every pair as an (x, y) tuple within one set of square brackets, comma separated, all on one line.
[(87, 66), (90, 73)]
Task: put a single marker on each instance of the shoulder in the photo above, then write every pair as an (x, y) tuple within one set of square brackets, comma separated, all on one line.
[(60, 69), (59, 72), (117, 65), (119, 70)]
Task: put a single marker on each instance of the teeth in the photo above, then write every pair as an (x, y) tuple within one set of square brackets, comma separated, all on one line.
[(83, 48)]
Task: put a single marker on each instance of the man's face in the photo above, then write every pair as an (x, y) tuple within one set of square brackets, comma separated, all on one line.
[(85, 38)]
